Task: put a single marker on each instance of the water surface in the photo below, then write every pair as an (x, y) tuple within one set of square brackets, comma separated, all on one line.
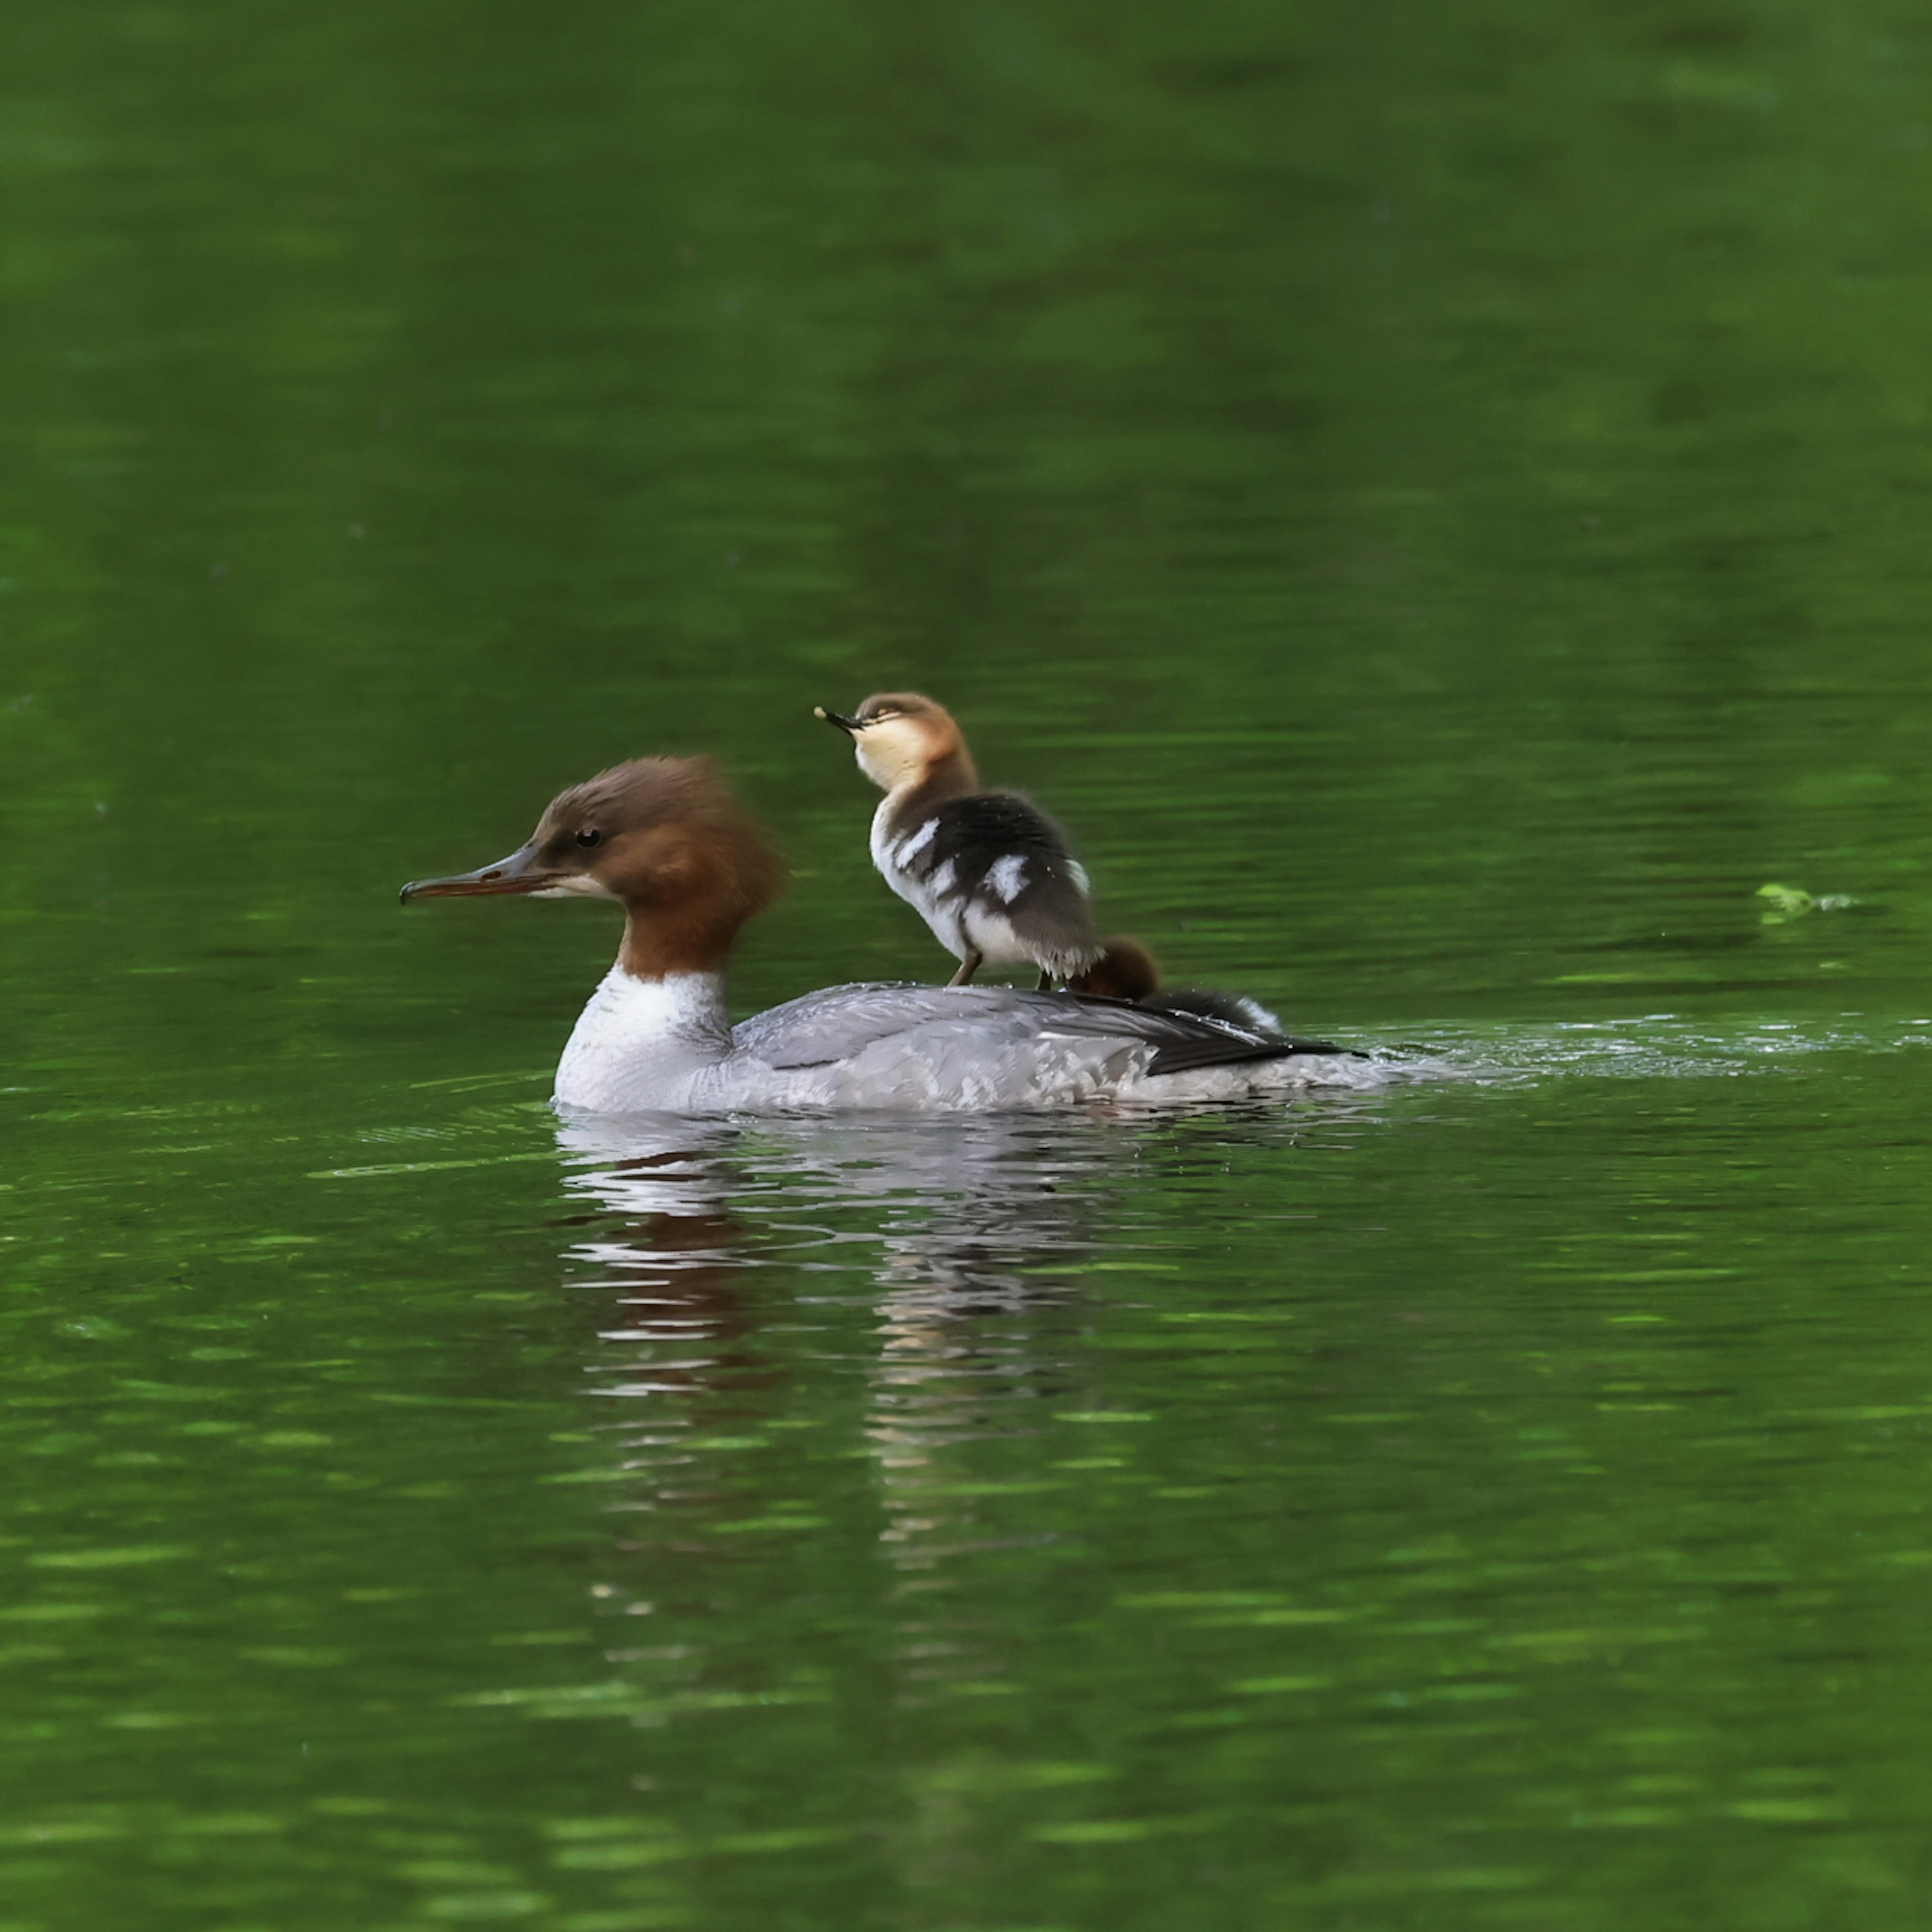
[(1436, 502)]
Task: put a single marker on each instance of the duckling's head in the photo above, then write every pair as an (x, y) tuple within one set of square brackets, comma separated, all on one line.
[(663, 836), (901, 738), (1125, 971)]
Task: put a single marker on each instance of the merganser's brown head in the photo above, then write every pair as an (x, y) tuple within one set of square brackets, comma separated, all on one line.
[(665, 838), (901, 738)]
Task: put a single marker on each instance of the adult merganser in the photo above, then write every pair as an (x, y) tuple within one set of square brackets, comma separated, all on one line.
[(665, 838), (1127, 970), (988, 871)]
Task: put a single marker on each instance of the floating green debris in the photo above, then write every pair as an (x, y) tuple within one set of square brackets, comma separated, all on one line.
[(1784, 903)]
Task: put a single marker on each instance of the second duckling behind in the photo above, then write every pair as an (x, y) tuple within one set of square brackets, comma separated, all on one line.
[(988, 872), (1127, 971)]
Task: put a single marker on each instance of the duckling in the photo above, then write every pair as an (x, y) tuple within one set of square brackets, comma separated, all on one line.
[(988, 871), (1127, 971)]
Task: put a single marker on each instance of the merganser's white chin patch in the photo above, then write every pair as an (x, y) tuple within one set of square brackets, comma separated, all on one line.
[(576, 886)]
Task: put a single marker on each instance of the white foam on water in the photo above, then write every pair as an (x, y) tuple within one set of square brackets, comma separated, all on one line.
[(1649, 1046)]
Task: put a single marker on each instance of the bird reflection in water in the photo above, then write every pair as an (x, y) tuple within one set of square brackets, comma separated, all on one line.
[(966, 1239), (941, 1265), (665, 1258), (957, 1220), (979, 1231)]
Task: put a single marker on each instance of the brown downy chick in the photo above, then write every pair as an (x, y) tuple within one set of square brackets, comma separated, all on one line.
[(1127, 970)]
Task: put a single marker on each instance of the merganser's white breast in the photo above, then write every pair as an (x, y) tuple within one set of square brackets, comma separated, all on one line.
[(641, 1044)]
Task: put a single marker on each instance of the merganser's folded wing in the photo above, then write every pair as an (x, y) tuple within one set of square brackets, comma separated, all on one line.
[(823, 1028)]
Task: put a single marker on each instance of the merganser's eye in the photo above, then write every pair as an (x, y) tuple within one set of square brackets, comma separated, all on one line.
[(589, 835)]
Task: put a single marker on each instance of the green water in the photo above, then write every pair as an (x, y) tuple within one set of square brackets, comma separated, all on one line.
[(1437, 499)]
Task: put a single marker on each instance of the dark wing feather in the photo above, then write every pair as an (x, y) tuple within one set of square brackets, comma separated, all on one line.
[(1001, 821), (1187, 1040), (1184, 1042), (1184, 1056)]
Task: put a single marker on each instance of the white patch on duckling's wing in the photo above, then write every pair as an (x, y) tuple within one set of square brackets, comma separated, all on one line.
[(1007, 876), (909, 847)]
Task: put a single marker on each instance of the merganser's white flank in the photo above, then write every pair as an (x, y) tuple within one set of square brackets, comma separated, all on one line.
[(665, 837), (988, 871)]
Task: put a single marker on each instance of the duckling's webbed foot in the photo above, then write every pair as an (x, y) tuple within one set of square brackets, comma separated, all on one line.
[(967, 968)]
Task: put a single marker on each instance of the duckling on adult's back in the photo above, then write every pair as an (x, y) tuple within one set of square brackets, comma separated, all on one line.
[(664, 837), (988, 871)]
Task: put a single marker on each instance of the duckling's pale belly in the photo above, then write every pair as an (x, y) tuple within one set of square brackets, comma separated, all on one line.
[(931, 896)]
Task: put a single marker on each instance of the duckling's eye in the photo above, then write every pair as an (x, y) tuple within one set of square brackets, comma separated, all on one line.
[(589, 835)]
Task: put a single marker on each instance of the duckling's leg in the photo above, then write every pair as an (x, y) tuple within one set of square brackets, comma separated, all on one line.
[(1045, 982), (967, 968)]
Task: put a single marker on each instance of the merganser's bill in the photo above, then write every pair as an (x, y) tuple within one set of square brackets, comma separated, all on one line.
[(665, 838), (988, 871)]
